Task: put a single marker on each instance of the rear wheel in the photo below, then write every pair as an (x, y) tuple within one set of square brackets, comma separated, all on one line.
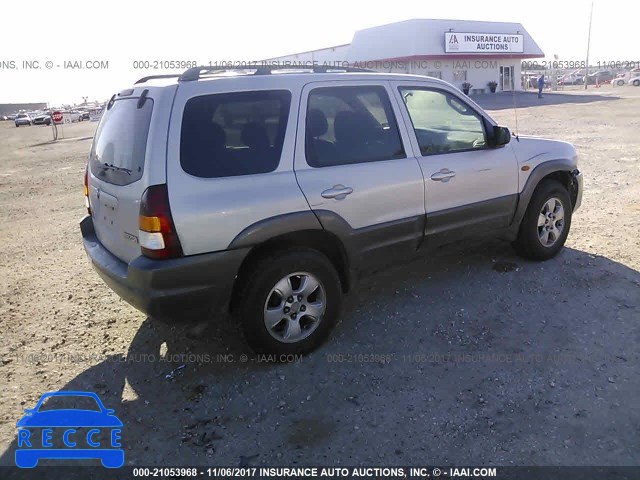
[(545, 225), (620, 83), (636, 83), (289, 302)]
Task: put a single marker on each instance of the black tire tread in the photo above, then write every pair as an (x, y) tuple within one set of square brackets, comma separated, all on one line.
[(527, 244), (253, 289)]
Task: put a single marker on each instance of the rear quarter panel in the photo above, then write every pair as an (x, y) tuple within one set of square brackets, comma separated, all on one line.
[(210, 212)]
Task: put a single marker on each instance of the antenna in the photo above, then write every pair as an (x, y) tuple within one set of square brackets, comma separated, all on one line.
[(515, 107), (586, 73)]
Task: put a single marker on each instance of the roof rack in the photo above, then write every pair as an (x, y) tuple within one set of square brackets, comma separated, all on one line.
[(193, 74), (152, 77)]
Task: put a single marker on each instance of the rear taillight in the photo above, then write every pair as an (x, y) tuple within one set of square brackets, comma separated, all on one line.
[(86, 190), (157, 235)]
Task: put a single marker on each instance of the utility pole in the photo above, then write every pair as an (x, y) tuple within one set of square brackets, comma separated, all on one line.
[(586, 76)]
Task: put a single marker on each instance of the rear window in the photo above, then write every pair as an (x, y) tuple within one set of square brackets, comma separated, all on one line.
[(120, 143), (232, 134)]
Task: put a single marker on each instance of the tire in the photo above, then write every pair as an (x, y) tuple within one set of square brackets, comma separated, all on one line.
[(541, 219), (260, 293), (636, 83)]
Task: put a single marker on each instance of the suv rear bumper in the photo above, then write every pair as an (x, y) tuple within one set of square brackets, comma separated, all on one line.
[(170, 288)]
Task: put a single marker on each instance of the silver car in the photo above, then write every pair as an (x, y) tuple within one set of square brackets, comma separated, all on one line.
[(269, 195), (42, 119), (23, 119)]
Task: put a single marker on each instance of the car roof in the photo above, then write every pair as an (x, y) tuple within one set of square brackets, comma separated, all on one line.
[(69, 393)]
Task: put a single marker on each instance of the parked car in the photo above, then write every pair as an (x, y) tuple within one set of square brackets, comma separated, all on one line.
[(42, 119), (95, 114), (600, 78), (634, 79), (84, 115), (76, 115), (620, 79), (22, 119), (69, 116), (571, 79), (270, 195)]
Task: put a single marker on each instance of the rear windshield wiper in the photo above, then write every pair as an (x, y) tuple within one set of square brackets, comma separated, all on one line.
[(117, 169)]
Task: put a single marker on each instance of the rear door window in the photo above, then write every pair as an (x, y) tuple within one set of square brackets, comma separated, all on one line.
[(120, 143), (232, 134), (351, 124)]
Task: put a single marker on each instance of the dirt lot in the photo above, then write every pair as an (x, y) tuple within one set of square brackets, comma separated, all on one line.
[(473, 357)]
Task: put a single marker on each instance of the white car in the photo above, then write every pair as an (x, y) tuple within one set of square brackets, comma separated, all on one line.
[(23, 119), (69, 116)]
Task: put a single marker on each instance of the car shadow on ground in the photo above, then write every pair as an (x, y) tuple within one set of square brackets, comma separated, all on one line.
[(507, 100), (470, 356)]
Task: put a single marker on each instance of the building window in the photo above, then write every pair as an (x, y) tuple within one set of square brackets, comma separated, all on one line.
[(459, 75), (437, 74)]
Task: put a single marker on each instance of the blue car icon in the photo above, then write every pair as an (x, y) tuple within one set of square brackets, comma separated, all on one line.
[(32, 447)]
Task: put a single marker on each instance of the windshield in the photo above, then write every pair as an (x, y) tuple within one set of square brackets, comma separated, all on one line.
[(121, 142), (69, 402)]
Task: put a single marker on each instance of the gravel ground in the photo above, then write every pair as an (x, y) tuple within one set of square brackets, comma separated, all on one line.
[(471, 356)]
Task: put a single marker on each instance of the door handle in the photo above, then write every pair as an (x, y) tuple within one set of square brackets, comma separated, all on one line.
[(444, 175), (337, 191)]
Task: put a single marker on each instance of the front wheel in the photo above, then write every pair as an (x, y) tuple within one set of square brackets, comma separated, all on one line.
[(636, 83), (545, 225), (289, 302)]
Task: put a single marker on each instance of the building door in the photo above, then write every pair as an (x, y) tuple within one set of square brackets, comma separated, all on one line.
[(506, 78)]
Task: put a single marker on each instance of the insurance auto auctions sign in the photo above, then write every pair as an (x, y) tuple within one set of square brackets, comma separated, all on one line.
[(456, 42)]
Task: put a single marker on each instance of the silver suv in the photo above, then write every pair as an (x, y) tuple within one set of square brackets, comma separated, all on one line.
[(268, 193)]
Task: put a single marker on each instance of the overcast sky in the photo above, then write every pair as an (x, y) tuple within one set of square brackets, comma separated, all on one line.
[(121, 32)]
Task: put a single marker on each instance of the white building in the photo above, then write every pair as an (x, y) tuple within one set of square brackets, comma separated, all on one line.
[(457, 51)]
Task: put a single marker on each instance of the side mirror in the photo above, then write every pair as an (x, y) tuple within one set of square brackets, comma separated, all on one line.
[(501, 136)]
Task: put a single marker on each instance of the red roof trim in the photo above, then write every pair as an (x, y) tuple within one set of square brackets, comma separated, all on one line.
[(468, 56)]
